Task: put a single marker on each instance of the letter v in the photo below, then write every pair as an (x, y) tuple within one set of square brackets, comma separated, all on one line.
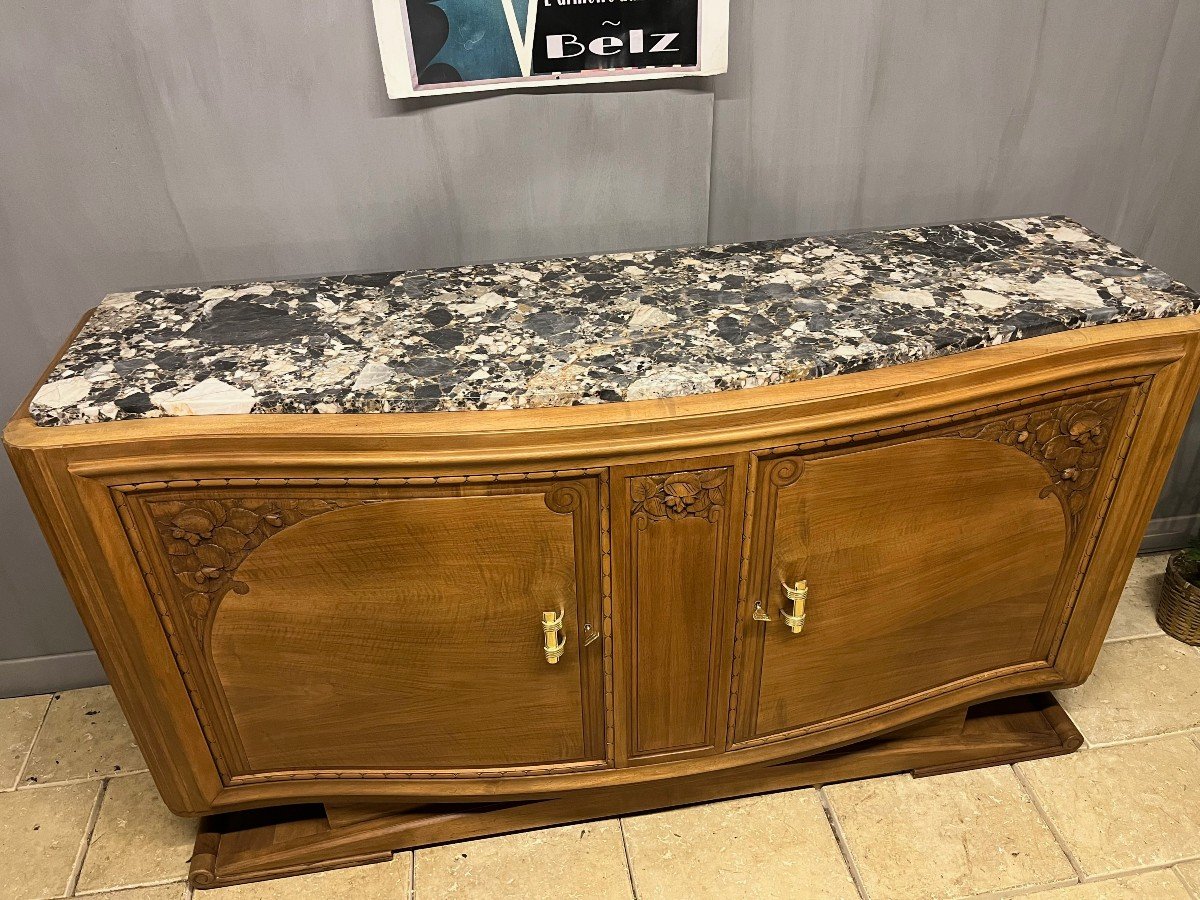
[(521, 27)]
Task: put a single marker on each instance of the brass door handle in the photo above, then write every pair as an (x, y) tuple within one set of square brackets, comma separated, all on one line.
[(555, 641), (798, 599)]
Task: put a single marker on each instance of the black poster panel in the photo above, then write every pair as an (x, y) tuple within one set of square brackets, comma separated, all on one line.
[(575, 36)]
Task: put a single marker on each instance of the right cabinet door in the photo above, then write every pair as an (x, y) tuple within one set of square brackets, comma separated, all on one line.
[(938, 554)]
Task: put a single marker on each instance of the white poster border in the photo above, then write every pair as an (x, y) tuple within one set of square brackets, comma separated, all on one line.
[(399, 71)]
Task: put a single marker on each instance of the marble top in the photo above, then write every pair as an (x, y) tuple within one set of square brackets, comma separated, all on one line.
[(597, 329)]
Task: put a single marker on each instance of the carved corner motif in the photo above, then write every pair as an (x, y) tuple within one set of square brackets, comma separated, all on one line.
[(679, 495), (207, 540), (565, 498), (1069, 440), (786, 472)]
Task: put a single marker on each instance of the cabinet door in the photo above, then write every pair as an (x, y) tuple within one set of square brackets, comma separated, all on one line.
[(936, 555), (389, 630)]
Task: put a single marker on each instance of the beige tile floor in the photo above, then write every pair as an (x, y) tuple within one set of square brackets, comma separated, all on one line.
[(1120, 820)]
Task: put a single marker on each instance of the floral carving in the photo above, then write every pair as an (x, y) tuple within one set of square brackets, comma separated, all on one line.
[(206, 541), (679, 495), (1069, 441)]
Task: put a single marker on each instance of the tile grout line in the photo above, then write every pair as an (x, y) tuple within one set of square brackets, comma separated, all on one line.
[(1045, 816), (67, 782), (628, 865), (1096, 879), (412, 874), (1187, 888), (1140, 870), (1146, 636), (33, 743), (1146, 738), (131, 887), (1036, 889), (1124, 639), (842, 843), (77, 869)]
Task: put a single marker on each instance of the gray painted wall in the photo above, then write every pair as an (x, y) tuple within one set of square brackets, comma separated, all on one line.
[(148, 143)]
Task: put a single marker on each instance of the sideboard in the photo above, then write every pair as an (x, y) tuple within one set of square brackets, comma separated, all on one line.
[(381, 561)]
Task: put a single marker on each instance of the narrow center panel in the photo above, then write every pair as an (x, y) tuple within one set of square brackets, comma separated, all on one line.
[(673, 535)]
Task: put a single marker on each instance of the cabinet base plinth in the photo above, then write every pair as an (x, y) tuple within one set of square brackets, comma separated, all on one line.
[(251, 846)]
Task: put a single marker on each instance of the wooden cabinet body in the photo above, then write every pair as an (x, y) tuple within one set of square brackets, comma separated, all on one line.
[(349, 609)]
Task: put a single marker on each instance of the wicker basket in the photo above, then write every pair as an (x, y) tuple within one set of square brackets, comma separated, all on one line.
[(1179, 606)]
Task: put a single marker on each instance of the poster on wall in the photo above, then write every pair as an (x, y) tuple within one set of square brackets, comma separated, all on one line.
[(434, 47)]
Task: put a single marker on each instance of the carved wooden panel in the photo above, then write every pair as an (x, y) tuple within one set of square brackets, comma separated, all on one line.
[(206, 540), (1068, 439), (677, 569), (679, 495)]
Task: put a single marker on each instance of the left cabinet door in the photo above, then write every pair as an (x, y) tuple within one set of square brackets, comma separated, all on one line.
[(382, 628)]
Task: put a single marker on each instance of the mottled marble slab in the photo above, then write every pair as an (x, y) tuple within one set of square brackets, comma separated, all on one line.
[(599, 329)]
